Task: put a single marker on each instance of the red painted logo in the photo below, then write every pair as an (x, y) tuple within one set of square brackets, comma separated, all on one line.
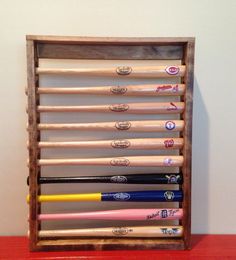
[(169, 143), (163, 88), (172, 107), (172, 70)]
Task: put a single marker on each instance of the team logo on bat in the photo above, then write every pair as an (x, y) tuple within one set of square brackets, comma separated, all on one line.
[(121, 231), (168, 161), (119, 107), (173, 179), (120, 162), (121, 196), (164, 213), (118, 90), (118, 179), (120, 144), (170, 125), (172, 70), (172, 107), (175, 88), (169, 143), (163, 87), (169, 195), (124, 70), (125, 125), (170, 231)]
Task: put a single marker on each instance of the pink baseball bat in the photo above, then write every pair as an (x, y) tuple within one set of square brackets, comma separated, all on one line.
[(121, 214)]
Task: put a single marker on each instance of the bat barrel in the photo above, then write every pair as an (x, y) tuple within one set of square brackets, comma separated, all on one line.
[(144, 196)]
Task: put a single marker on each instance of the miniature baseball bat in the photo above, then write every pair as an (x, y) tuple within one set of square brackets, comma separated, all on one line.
[(131, 161), (130, 90), (140, 231), (138, 143), (121, 214), (131, 108), (167, 178), (135, 126), (133, 72), (140, 196)]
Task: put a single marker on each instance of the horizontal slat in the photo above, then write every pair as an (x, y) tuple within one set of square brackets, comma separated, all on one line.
[(110, 244), (110, 52), (109, 40)]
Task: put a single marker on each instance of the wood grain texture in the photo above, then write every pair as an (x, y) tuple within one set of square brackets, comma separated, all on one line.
[(109, 52), (33, 120), (130, 72), (131, 144), (110, 40), (110, 244), (166, 48), (129, 108), (131, 161), (130, 231), (132, 126), (187, 133), (132, 90)]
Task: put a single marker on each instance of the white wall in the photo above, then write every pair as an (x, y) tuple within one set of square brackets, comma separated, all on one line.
[(213, 24)]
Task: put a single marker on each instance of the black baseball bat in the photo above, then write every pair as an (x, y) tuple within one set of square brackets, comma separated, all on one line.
[(166, 178)]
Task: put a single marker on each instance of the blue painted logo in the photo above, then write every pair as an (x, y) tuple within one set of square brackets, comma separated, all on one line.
[(170, 125), (164, 213), (170, 231)]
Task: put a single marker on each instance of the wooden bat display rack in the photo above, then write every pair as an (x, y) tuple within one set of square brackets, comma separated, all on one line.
[(174, 59)]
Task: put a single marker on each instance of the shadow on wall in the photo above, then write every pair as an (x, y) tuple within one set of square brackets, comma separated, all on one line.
[(200, 164)]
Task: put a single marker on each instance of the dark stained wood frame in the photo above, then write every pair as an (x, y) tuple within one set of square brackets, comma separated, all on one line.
[(56, 47)]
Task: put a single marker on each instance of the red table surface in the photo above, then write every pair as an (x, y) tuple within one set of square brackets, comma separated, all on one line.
[(203, 247)]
